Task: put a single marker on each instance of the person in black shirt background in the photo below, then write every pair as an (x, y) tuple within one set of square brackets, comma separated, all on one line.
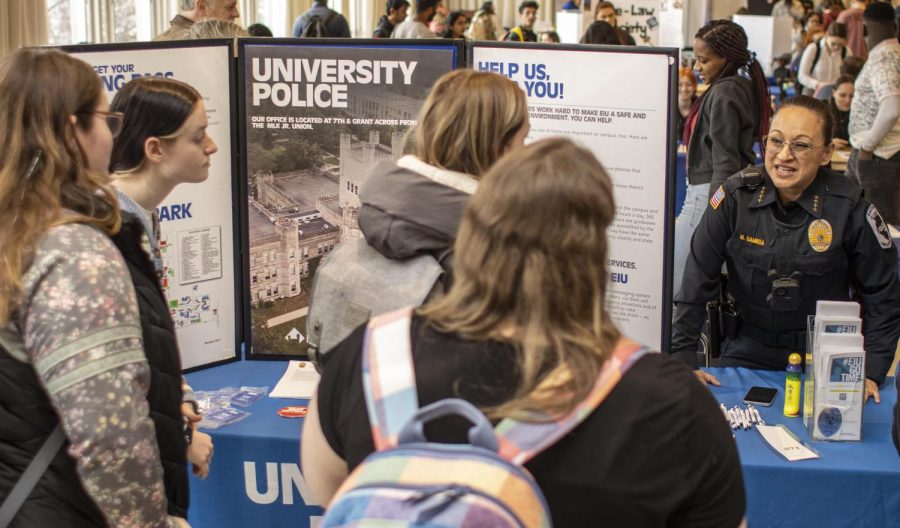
[(395, 13)]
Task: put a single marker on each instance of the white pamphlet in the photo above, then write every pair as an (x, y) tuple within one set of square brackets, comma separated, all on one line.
[(299, 381), (837, 309), (785, 443)]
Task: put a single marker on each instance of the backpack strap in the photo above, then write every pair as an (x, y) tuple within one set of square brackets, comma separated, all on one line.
[(23, 487), (389, 378), (32, 475), (817, 56), (521, 441)]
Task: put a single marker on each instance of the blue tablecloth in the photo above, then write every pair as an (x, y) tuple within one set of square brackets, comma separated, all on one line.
[(255, 478), (851, 484)]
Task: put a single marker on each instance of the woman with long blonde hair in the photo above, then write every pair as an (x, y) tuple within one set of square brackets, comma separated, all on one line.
[(412, 206), (73, 376), (524, 333)]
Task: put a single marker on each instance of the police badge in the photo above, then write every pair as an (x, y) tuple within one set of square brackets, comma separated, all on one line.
[(820, 235), (879, 227)]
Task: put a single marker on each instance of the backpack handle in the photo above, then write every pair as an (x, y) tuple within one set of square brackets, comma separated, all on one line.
[(481, 433)]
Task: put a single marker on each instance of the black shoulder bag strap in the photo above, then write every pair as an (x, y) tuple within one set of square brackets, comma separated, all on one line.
[(33, 472)]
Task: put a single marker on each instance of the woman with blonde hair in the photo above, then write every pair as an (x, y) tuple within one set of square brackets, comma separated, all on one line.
[(413, 206), (73, 375), (523, 332)]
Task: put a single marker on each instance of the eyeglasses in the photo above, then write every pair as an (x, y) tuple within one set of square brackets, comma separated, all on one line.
[(113, 120), (799, 149)]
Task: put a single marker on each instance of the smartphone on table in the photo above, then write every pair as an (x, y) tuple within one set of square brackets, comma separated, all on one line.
[(762, 396)]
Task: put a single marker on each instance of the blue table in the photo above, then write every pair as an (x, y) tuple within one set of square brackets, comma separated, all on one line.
[(255, 479), (851, 484)]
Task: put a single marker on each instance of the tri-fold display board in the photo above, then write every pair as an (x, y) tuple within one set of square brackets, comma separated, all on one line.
[(300, 124), (318, 116), (616, 101), (198, 222)]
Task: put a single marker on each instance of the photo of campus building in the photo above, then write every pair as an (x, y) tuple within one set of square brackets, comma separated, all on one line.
[(295, 219)]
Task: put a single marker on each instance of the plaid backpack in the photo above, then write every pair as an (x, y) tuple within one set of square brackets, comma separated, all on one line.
[(409, 481)]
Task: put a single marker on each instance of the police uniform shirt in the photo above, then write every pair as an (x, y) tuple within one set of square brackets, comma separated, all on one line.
[(834, 240)]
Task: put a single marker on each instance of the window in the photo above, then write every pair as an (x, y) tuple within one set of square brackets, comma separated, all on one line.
[(99, 21), (66, 22), (272, 13)]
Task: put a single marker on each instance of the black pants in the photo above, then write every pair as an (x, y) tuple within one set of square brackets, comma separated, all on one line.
[(880, 178), (744, 351)]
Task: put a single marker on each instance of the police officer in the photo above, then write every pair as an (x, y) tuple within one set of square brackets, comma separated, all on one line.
[(791, 232)]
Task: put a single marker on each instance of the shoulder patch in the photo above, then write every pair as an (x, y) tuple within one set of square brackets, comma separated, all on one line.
[(717, 198), (879, 227)]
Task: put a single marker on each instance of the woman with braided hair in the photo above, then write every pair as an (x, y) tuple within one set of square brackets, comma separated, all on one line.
[(723, 123)]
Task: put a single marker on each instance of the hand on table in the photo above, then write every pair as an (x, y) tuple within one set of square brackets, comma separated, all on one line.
[(706, 377), (840, 143), (872, 391)]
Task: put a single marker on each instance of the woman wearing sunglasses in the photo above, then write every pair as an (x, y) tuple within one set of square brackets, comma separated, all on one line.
[(162, 143), (791, 232), (73, 374)]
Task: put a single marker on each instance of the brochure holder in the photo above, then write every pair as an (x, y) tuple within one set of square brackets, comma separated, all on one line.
[(834, 384)]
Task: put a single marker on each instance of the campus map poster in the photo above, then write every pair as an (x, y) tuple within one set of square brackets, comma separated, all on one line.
[(196, 220), (617, 105), (318, 118)]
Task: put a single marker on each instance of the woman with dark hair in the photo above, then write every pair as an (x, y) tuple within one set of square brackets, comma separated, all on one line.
[(839, 104), (821, 61), (794, 225), (514, 337), (73, 373), (163, 143), (723, 124), (600, 32), (457, 23), (813, 29)]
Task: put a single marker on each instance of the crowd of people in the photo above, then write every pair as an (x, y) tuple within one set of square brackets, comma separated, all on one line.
[(90, 370)]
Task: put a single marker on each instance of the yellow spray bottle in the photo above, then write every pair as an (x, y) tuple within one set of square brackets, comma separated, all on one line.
[(792, 386)]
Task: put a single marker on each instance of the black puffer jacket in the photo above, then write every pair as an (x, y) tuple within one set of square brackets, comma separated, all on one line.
[(26, 420), (161, 347)]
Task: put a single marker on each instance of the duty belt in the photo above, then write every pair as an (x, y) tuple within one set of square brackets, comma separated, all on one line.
[(793, 341)]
